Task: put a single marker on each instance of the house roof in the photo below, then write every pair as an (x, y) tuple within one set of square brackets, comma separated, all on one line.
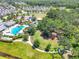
[(2, 27), (28, 17), (10, 23), (19, 17)]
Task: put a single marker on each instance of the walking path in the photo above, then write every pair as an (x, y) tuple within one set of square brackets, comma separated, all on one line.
[(66, 55), (29, 42)]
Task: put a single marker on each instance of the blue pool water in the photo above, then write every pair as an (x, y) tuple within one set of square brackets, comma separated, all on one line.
[(15, 30)]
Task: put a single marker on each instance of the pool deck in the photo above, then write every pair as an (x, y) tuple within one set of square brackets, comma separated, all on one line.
[(8, 30)]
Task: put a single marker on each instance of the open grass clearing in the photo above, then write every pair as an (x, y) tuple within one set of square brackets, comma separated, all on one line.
[(38, 15)]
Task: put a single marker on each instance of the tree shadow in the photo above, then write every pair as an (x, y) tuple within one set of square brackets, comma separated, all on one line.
[(45, 36)]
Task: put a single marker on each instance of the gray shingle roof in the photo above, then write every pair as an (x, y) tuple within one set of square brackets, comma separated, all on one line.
[(2, 27), (10, 23)]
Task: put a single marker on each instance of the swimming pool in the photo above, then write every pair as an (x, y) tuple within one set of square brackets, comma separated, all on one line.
[(16, 29)]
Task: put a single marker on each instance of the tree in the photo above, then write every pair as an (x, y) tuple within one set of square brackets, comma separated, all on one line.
[(48, 47), (9, 17), (52, 13), (62, 41), (56, 56), (76, 22), (44, 24), (75, 53), (36, 44), (31, 31), (33, 18), (25, 37), (46, 34)]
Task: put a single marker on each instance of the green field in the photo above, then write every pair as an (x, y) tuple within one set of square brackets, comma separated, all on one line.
[(23, 51), (38, 15), (3, 57)]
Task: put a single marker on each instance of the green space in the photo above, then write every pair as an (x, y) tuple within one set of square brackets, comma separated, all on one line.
[(62, 19), (66, 24), (60, 3), (44, 42), (23, 51), (39, 15), (3, 57)]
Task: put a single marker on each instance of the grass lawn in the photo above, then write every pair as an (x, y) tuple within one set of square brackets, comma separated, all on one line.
[(23, 51), (39, 15), (44, 42), (3, 57)]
